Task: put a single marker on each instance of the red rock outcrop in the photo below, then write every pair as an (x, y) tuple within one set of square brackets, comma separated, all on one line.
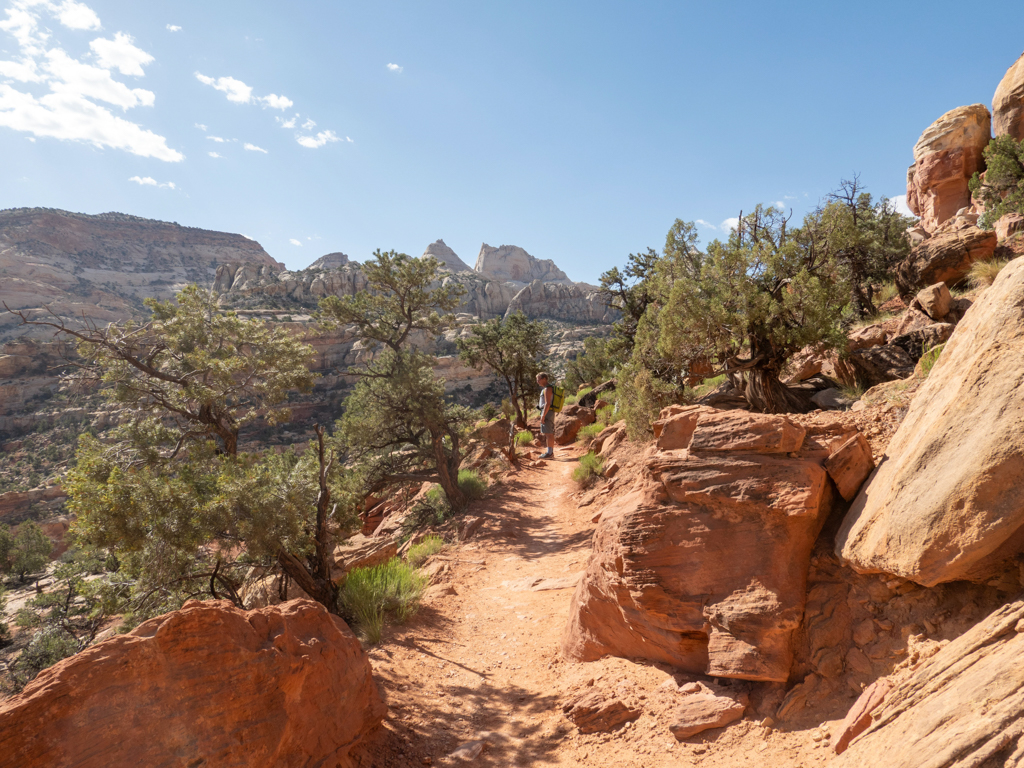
[(945, 157), (208, 685), (1008, 103), (945, 504), (703, 563), (945, 258), (964, 706)]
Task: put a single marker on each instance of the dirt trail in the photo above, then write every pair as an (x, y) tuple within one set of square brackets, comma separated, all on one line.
[(482, 655)]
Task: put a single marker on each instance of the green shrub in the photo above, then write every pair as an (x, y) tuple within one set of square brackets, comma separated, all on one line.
[(471, 483), (589, 432), (1002, 191), (929, 358), (418, 553), (432, 509), (575, 398), (489, 411), (526, 436), (46, 648), (606, 414), (641, 398), (370, 594), (589, 468)]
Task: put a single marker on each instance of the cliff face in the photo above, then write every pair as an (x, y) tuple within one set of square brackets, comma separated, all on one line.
[(103, 266), (541, 290)]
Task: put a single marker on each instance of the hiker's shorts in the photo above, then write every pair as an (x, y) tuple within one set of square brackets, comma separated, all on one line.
[(547, 426)]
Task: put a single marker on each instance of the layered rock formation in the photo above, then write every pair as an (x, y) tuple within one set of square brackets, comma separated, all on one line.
[(945, 157), (207, 685), (510, 263), (945, 504), (334, 260), (703, 563), (572, 302), (946, 257), (964, 706), (1008, 103), (102, 267), (440, 251)]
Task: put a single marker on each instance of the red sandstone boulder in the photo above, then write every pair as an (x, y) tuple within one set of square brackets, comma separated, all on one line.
[(962, 707), (703, 709), (208, 685), (570, 421), (1009, 225), (703, 563), (946, 504), (700, 428), (850, 465), (945, 258), (1008, 103), (945, 157), (935, 300)]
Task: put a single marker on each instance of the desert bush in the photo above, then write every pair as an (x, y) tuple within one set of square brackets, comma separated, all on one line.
[(471, 483), (984, 273), (418, 553), (575, 397), (432, 509), (641, 398), (526, 436), (46, 648), (489, 411), (589, 432), (371, 594), (589, 469)]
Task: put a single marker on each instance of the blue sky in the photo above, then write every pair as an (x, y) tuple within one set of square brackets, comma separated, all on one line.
[(578, 131)]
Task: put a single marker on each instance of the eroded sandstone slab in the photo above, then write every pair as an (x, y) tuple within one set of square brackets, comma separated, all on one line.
[(209, 684)]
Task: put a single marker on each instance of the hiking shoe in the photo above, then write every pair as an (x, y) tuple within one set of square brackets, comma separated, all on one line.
[(547, 455)]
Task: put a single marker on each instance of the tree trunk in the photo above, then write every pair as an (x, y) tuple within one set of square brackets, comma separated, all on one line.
[(767, 394), (323, 591), (316, 581), (448, 473), (513, 396)]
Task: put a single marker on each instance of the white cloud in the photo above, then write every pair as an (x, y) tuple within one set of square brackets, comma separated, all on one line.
[(730, 224), (120, 54), (293, 241), (277, 102), (236, 90), (201, 127), (707, 224), (289, 123), (254, 148), (218, 139), (149, 181), (312, 142), (214, 154), (240, 93), (69, 110), (395, 68), (74, 15), (308, 125), (173, 28), (780, 205), (72, 77), (899, 202)]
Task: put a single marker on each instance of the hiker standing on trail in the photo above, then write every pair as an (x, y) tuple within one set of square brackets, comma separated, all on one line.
[(547, 414)]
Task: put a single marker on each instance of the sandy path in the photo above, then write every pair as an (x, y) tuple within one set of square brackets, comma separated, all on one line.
[(483, 660)]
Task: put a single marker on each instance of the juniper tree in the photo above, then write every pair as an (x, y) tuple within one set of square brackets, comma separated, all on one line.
[(168, 491), (748, 304), (511, 347), (397, 425)]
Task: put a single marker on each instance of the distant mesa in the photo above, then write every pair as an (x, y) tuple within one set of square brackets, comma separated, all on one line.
[(330, 261), (440, 251), (510, 263)]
